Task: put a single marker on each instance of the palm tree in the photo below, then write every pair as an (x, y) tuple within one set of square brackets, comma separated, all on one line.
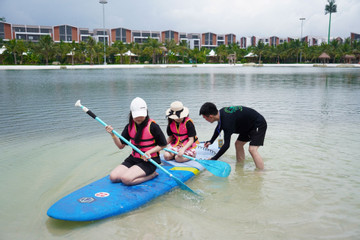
[(330, 8), (153, 45), (72, 51), (183, 50), (222, 53), (80, 52), (99, 52), (119, 48), (61, 50), (295, 47), (21, 50), (172, 51), (12, 49), (259, 49), (46, 47), (91, 49)]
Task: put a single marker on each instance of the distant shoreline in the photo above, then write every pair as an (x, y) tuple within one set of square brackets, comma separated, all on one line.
[(127, 66)]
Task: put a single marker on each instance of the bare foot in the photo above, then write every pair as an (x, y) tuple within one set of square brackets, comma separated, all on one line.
[(153, 175)]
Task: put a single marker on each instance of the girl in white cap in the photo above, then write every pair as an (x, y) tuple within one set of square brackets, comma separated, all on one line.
[(146, 135), (181, 131)]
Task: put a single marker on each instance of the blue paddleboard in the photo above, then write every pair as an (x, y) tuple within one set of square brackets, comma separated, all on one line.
[(102, 198)]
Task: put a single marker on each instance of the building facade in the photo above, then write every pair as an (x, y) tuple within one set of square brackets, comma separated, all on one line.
[(68, 34)]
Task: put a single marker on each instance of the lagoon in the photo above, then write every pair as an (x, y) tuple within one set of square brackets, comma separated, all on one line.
[(309, 189)]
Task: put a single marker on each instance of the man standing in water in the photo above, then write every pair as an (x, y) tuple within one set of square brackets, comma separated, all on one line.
[(248, 123)]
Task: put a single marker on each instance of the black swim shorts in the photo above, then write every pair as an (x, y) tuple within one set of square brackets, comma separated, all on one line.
[(255, 136), (148, 167)]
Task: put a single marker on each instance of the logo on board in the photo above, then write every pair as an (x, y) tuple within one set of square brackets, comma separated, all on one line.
[(91, 199)]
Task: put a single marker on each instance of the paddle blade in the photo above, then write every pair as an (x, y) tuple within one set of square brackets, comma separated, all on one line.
[(183, 186), (218, 168)]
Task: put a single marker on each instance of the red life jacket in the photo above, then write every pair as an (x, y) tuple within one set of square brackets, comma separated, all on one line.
[(147, 141), (180, 134)]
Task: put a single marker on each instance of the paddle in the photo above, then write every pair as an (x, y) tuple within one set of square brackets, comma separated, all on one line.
[(218, 168), (178, 181)]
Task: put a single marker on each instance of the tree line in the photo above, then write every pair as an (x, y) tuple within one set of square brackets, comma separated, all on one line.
[(46, 51)]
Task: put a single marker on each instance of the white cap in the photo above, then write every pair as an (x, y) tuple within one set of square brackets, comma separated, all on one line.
[(138, 108)]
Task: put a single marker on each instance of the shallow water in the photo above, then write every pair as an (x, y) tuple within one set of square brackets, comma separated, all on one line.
[(309, 190)]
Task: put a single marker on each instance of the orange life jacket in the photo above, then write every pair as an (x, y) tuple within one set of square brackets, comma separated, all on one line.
[(180, 134), (147, 141)]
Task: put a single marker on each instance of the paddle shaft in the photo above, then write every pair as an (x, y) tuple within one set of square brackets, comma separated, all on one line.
[(186, 156)]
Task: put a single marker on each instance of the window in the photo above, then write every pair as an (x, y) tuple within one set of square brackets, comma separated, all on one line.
[(19, 29), (33, 30), (84, 32), (99, 32), (43, 30), (62, 30), (68, 30), (34, 37), (65, 33), (208, 39), (138, 40), (2, 31), (21, 36)]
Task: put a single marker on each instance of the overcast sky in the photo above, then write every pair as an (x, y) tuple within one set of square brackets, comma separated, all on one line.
[(262, 18)]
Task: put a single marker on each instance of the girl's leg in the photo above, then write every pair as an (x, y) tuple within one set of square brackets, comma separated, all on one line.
[(136, 175), (188, 152), (117, 173), (181, 159), (168, 156)]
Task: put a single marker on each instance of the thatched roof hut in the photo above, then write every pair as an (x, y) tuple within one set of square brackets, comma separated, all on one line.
[(324, 57), (349, 58)]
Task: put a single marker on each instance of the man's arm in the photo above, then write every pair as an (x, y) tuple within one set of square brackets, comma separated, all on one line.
[(224, 148)]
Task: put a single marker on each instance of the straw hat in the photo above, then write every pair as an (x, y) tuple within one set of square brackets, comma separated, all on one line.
[(138, 108), (177, 110)]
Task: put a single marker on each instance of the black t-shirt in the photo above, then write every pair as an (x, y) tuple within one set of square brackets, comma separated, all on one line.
[(237, 119)]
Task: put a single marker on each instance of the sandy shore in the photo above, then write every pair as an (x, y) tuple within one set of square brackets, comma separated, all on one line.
[(114, 66)]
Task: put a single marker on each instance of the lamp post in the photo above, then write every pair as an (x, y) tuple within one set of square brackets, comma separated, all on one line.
[(302, 21), (103, 2)]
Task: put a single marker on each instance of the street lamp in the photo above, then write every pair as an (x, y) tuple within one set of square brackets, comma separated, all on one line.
[(302, 21), (103, 2)]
